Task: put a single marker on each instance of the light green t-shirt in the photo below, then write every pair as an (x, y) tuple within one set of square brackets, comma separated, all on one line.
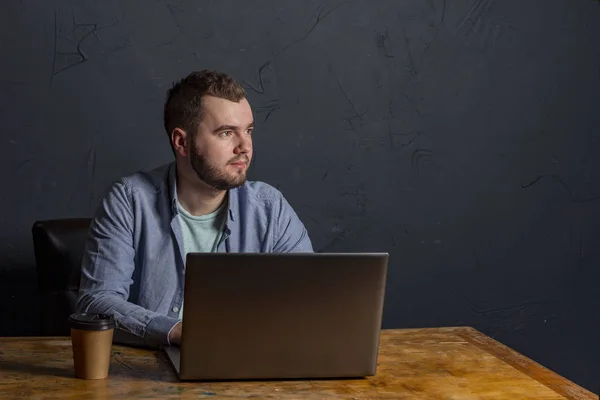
[(200, 234)]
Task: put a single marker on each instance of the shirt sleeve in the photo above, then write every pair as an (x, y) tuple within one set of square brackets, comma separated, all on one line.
[(107, 269), (291, 235)]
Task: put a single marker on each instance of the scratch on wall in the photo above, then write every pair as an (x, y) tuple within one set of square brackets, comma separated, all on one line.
[(556, 178), (320, 16), (80, 32)]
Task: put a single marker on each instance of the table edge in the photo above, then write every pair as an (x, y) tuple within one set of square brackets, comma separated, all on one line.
[(526, 365)]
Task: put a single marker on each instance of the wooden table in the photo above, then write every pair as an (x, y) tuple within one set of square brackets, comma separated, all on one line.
[(441, 363)]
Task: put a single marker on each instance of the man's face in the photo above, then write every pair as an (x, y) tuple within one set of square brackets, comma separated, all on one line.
[(221, 149)]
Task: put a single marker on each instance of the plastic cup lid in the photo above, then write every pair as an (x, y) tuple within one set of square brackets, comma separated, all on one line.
[(92, 322)]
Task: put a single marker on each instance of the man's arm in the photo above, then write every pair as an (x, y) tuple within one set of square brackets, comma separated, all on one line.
[(290, 236), (107, 268)]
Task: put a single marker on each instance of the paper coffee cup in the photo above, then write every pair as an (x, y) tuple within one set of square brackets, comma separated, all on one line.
[(91, 338)]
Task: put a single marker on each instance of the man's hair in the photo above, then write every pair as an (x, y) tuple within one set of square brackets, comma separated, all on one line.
[(183, 107)]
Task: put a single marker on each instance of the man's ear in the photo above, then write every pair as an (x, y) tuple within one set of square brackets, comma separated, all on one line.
[(179, 142)]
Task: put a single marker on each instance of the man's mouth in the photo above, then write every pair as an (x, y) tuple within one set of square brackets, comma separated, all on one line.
[(239, 164)]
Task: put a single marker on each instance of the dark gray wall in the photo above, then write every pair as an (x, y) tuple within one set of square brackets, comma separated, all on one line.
[(460, 136)]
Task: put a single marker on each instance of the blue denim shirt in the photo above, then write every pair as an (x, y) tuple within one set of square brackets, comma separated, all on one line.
[(133, 265)]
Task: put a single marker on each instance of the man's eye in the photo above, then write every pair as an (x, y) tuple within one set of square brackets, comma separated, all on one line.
[(225, 133), (249, 131)]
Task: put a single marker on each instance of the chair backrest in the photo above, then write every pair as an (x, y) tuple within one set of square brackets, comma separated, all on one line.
[(58, 247)]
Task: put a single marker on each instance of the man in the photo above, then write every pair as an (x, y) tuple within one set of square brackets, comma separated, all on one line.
[(134, 262)]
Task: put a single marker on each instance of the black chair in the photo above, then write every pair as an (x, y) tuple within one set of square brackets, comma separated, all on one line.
[(58, 246)]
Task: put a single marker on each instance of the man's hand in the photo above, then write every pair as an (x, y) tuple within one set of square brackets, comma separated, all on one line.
[(175, 334)]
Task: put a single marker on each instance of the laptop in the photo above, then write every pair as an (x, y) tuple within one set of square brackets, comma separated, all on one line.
[(280, 316)]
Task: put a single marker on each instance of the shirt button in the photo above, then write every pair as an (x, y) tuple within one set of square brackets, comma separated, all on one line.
[(175, 309)]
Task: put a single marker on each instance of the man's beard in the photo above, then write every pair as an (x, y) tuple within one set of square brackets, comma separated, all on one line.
[(212, 176)]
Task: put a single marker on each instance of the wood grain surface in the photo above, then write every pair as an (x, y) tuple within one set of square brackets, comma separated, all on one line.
[(433, 363)]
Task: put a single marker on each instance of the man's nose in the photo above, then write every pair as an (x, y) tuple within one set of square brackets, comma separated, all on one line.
[(244, 144)]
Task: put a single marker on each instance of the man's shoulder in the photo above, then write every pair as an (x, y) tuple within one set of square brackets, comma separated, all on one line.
[(259, 191), (146, 181)]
